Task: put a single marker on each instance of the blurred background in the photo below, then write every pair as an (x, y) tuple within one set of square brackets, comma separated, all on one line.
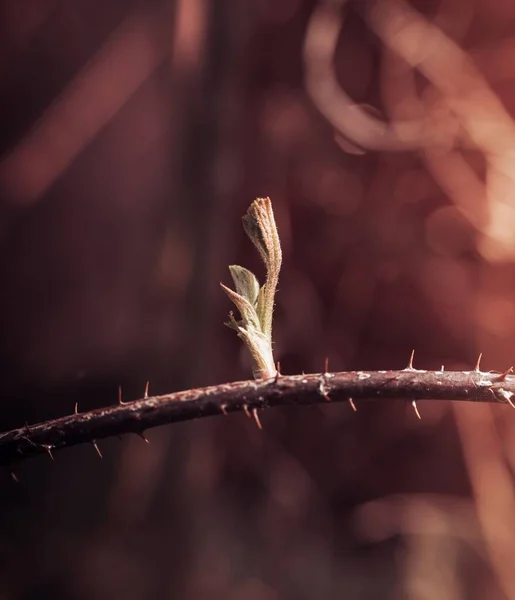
[(134, 136)]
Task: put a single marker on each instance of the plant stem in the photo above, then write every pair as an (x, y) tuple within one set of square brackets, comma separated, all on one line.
[(135, 417)]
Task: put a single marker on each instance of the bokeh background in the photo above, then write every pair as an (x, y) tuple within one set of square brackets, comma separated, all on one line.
[(133, 137)]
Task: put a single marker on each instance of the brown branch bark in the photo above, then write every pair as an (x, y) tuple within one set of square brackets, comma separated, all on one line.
[(135, 417)]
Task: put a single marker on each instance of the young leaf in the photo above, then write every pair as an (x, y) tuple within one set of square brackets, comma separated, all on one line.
[(245, 282), (255, 304), (249, 318)]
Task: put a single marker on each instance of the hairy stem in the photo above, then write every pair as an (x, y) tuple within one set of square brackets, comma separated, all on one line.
[(256, 304), (249, 396)]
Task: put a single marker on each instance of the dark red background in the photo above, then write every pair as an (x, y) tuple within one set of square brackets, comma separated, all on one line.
[(134, 136)]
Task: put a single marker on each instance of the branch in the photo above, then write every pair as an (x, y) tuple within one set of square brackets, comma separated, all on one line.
[(250, 396)]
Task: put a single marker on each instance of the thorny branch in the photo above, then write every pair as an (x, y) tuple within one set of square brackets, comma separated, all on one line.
[(250, 396)]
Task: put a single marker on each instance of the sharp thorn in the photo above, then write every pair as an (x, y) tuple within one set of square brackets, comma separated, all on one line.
[(256, 418), (352, 405), (120, 401), (277, 372), (143, 437), (223, 408), (502, 376), (442, 369), (76, 408), (49, 451), (476, 368), (415, 408), (14, 476), (410, 362), (323, 391), (326, 365), (146, 389), (95, 445), (506, 396), (246, 410)]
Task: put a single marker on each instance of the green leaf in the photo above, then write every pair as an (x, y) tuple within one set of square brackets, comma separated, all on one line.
[(247, 311), (245, 282)]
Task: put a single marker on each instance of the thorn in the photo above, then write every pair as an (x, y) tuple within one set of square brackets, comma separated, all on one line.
[(476, 368), (143, 437), (76, 409), (442, 369), (223, 408), (146, 390), (410, 363), (246, 410), (507, 396), (352, 405), (502, 376), (14, 476), (415, 408), (277, 372), (27, 428), (256, 418), (120, 401), (326, 365), (323, 391), (94, 442), (49, 451)]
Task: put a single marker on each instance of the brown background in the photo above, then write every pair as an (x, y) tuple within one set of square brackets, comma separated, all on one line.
[(134, 136)]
